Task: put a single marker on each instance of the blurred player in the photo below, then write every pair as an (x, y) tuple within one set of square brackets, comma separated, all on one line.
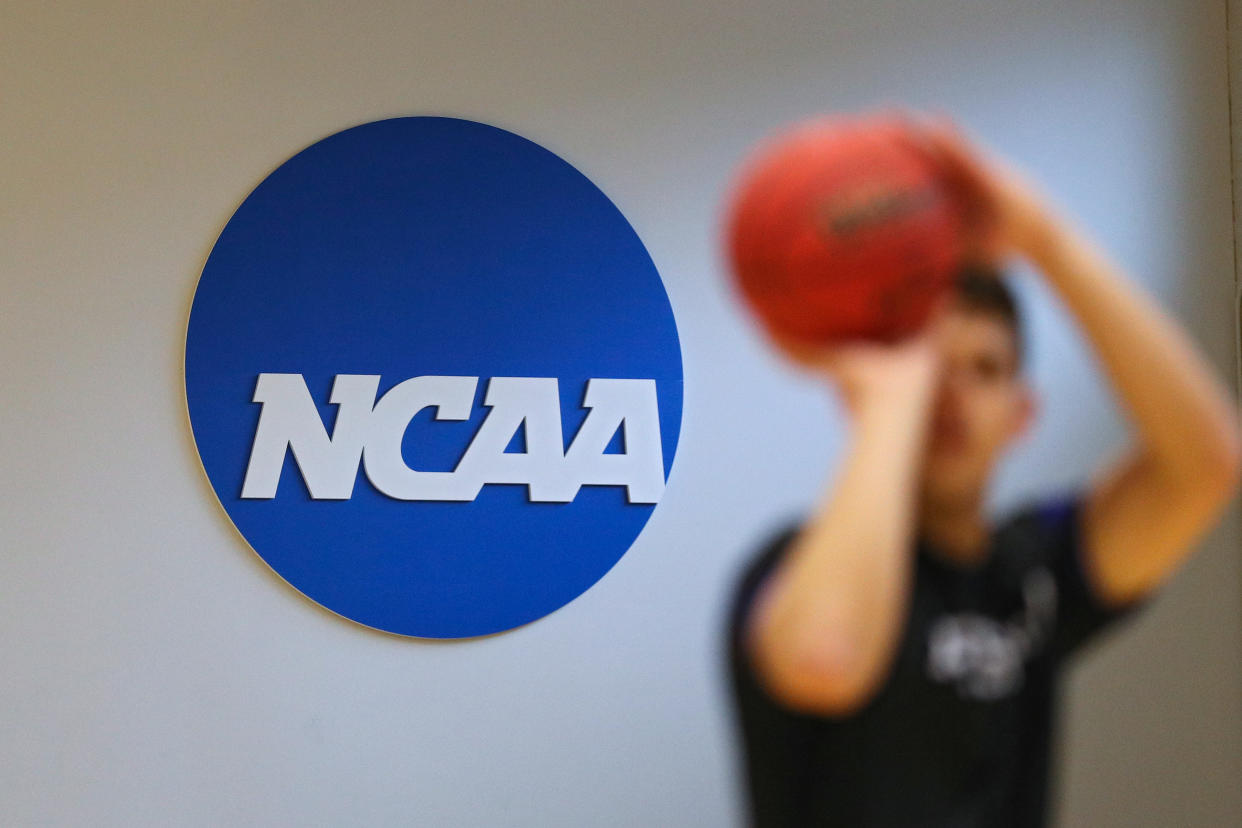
[(896, 657)]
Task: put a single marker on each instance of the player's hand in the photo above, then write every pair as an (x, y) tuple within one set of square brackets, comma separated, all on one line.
[(1007, 213), (863, 371)]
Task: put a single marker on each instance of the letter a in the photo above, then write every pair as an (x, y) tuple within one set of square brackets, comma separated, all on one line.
[(619, 403)]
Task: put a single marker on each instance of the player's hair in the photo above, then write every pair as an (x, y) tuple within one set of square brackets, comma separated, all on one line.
[(982, 288)]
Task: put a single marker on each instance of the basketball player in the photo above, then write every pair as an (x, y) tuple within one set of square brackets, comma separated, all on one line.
[(895, 657)]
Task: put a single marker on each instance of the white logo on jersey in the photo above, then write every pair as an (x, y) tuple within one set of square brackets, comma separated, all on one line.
[(985, 657)]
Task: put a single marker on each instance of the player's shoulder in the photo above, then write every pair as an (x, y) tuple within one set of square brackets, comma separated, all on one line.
[(1050, 510), (1038, 528)]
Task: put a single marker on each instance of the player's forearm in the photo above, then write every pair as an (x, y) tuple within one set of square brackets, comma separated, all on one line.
[(1184, 416), (829, 617)]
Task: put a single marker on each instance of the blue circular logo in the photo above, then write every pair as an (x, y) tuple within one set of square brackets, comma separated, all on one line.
[(433, 377)]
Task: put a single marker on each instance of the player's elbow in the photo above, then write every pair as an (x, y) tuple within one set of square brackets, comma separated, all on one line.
[(827, 677), (1205, 476), (1229, 460), (1220, 469)]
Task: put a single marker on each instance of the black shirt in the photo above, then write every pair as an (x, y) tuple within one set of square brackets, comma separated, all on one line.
[(961, 731)]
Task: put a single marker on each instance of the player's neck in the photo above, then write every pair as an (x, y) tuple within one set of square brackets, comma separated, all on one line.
[(956, 534)]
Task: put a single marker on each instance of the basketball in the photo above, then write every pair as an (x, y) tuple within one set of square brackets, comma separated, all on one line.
[(843, 228)]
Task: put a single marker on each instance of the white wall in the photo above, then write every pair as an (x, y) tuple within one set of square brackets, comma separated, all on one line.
[(155, 672)]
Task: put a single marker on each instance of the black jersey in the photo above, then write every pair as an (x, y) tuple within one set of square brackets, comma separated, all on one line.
[(961, 731)]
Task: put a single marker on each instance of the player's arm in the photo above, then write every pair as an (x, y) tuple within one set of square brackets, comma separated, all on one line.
[(1146, 508), (823, 628)]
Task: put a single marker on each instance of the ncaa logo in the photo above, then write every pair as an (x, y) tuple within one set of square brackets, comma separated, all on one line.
[(433, 377)]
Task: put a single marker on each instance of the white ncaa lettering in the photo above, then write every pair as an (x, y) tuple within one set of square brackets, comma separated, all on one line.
[(370, 433), (289, 420), (453, 398)]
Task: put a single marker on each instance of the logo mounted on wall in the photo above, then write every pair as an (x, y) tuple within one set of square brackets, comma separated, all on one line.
[(433, 377)]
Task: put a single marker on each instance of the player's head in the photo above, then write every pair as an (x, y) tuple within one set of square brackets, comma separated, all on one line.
[(983, 403)]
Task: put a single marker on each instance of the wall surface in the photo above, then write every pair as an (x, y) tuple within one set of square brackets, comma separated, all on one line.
[(157, 673)]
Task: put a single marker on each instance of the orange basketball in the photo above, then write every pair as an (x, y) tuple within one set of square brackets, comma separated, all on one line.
[(843, 228)]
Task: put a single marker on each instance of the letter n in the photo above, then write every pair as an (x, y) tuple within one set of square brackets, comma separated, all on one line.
[(290, 421)]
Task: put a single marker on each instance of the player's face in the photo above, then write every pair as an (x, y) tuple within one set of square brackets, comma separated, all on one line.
[(983, 404)]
